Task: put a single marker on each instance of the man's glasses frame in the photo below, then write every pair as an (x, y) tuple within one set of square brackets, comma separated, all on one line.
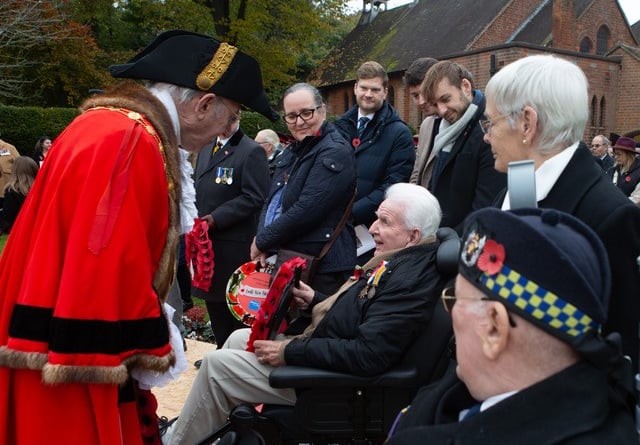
[(305, 115), (449, 299)]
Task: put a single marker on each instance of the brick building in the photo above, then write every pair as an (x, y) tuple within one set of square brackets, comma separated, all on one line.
[(485, 35)]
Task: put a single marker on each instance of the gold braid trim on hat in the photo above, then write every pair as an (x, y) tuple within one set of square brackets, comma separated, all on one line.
[(217, 67)]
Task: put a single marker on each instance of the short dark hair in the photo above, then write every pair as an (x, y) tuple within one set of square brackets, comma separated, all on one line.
[(445, 69), (415, 74)]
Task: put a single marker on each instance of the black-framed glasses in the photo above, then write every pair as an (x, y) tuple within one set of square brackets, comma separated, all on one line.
[(449, 299), (305, 115)]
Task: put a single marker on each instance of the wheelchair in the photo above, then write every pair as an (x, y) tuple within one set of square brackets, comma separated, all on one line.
[(338, 408)]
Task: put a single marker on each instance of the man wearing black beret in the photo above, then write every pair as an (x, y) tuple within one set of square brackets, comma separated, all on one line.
[(92, 254), (532, 368)]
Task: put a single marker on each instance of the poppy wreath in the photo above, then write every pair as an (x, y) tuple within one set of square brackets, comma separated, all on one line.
[(280, 287), (199, 253)]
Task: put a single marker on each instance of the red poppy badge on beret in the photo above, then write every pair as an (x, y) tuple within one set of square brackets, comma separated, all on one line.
[(491, 258)]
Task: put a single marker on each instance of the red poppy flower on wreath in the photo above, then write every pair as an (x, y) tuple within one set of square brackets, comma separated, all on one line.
[(491, 258), (355, 142)]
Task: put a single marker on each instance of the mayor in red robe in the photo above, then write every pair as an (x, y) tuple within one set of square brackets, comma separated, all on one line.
[(91, 256)]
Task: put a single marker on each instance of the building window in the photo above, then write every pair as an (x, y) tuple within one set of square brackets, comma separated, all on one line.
[(346, 101), (602, 45), (586, 46), (594, 105), (391, 96), (603, 104)]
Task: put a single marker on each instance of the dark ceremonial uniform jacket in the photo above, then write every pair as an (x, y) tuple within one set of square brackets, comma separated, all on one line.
[(231, 186), (384, 155), (468, 181), (584, 192), (575, 406), (369, 327), (319, 175)]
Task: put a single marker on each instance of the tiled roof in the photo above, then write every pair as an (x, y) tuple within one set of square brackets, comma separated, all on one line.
[(395, 38)]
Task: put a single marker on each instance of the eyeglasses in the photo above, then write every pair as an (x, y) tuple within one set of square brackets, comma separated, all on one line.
[(486, 124), (449, 298), (305, 115), (235, 115), (596, 145)]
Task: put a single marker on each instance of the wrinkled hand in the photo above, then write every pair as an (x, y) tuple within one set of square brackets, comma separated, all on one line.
[(302, 295), (268, 352), (257, 254), (209, 220)]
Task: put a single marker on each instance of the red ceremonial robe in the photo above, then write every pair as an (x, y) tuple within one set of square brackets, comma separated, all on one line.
[(83, 274)]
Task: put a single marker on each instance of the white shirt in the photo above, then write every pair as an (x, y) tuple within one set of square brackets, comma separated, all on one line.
[(488, 403), (548, 173)]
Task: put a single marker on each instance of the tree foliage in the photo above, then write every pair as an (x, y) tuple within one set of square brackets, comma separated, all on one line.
[(53, 51)]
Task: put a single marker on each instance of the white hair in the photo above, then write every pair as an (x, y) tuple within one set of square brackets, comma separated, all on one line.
[(180, 94), (421, 208), (270, 136), (555, 88)]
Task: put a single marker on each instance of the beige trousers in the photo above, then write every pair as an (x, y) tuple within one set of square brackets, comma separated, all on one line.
[(227, 377)]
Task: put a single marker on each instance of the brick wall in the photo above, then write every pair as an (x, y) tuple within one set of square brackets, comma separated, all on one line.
[(614, 82)]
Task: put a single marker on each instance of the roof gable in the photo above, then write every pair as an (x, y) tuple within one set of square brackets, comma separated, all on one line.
[(397, 37)]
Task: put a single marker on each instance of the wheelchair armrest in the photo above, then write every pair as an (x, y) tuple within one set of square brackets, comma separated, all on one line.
[(303, 377)]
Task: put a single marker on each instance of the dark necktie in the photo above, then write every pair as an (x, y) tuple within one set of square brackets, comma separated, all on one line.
[(475, 409), (362, 124)]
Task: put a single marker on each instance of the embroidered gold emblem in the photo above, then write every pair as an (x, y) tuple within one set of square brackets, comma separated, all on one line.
[(217, 67)]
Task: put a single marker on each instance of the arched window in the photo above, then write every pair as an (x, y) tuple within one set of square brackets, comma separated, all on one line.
[(586, 45), (594, 105), (346, 100), (391, 96), (602, 45), (603, 116)]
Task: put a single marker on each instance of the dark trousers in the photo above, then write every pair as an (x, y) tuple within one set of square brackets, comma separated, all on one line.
[(223, 323)]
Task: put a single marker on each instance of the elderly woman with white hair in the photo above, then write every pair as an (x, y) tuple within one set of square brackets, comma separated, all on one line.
[(364, 329), (537, 109)]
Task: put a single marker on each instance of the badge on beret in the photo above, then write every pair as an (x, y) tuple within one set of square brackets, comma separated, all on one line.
[(472, 248)]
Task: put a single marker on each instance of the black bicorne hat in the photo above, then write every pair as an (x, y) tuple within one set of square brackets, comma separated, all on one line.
[(202, 63)]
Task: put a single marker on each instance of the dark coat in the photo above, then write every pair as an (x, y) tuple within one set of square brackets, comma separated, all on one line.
[(607, 164), (320, 175), (235, 207), (11, 206), (366, 336), (468, 180), (574, 406), (584, 192), (386, 155), (628, 181)]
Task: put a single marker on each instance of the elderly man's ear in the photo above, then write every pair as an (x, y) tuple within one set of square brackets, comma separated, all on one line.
[(414, 237), (495, 334)]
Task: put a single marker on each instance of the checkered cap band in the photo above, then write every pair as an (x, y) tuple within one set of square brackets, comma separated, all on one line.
[(538, 302)]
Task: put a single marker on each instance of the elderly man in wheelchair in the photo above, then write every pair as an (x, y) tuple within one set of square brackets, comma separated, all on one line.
[(356, 348)]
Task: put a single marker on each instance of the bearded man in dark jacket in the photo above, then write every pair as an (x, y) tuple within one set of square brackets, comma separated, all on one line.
[(364, 329)]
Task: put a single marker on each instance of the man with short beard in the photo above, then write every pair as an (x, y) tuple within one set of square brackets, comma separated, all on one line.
[(463, 177)]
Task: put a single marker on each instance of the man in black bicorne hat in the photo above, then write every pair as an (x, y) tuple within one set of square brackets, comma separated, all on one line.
[(90, 330)]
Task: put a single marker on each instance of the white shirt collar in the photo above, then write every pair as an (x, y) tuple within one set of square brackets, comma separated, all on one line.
[(548, 173), (493, 400)]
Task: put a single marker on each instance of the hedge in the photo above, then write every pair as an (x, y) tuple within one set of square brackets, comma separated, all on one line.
[(23, 126)]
